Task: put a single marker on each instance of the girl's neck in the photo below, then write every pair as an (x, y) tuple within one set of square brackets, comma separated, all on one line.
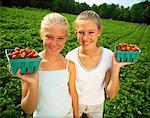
[(89, 52), (50, 57)]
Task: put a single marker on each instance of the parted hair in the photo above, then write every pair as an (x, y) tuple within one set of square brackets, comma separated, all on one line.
[(88, 15), (56, 19)]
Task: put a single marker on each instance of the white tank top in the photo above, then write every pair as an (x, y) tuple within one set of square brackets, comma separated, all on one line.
[(54, 98), (90, 82)]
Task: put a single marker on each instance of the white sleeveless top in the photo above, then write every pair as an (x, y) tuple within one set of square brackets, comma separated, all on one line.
[(90, 82), (54, 98)]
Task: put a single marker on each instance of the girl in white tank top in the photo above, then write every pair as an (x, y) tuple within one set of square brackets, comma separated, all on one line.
[(53, 85), (96, 66), (51, 92)]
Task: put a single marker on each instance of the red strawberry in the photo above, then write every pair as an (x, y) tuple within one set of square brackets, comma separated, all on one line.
[(30, 55), (25, 53), (124, 46), (14, 56), (10, 55), (133, 48), (35, 55), (119, 47), (16, 53)]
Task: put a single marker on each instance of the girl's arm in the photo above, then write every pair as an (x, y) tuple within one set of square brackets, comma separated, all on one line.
[(29, 91), (72, 88), (112, 83), (112, 78)]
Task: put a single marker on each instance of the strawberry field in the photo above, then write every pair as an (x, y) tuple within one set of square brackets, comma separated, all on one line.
[(20, 28)]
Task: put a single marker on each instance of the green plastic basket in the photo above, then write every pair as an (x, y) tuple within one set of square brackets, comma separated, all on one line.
[(127, 56), (28, 65)]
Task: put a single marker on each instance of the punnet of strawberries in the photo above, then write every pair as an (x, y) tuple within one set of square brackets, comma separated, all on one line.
[(127, 52), (26, 59), (23, 53)]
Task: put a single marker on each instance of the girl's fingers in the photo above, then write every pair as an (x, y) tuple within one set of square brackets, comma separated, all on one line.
[(35, 75), (120, 64), (8, 68), (126, 63), (18, 73), (30, 78), (25, 79)]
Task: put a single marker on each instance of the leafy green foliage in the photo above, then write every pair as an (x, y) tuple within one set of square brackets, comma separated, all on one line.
[(20, 28)]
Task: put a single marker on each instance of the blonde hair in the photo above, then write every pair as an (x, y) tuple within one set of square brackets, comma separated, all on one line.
[(56, 19), (88, 15)]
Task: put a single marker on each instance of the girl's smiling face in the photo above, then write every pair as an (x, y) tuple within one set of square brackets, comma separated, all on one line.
[(54, 37), (87, 33)]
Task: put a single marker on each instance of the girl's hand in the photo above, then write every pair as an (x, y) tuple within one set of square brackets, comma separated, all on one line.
[(30, 78), (119, 64)]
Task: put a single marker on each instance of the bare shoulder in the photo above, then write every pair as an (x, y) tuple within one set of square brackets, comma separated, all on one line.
[(72, 71), (71, 64)]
